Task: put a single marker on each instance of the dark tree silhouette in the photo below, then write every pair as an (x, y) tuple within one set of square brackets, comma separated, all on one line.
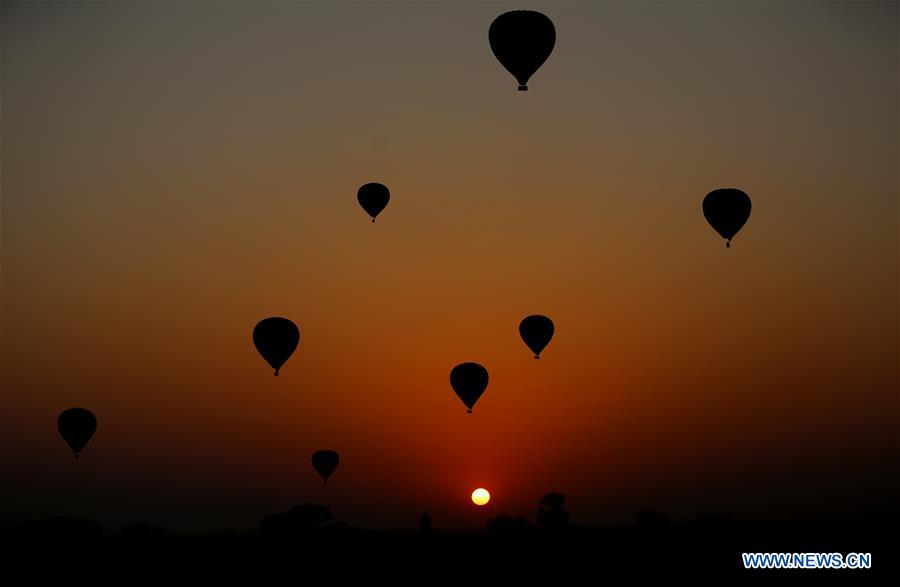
[(301, 519), (651, 520), (551, 513), (714, 522), (60, 528), (425, 524), (141, 531), (504, 524)]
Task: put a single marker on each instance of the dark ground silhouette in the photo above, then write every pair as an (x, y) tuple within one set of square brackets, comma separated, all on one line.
[(307, 539)]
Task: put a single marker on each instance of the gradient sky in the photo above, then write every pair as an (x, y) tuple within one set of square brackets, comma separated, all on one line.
[(174, 172)]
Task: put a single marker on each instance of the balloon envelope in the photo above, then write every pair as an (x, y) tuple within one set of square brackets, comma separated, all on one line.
[(325, 462), (536, 331), (373, 197), (276, 339), (77, 426), (522, 40), (726, 210), (469, 380)]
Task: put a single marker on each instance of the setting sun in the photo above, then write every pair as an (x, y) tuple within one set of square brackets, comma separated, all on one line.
[(481, 496)]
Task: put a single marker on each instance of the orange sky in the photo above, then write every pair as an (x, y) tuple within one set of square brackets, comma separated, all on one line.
[(172, 173)]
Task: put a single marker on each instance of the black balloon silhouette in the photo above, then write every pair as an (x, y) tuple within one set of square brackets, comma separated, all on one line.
[(522, 40), (726, 210), (325, 462), (77, 426), (373, 197), (469, 380), (536, 331), (276, 339)]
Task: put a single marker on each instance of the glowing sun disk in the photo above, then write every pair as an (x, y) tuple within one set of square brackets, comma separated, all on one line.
[(481, 496)]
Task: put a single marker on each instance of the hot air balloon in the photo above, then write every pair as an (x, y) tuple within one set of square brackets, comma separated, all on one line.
[(726, 210), (325, 462), (522, 40), (373, 197), (276, 339), (76, 425), (469, 380), (536, 331)]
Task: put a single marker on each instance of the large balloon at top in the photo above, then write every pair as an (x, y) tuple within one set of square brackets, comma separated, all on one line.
[(373, 197), (276, 339), (726, 210), (522, 40), (469, 380), (76, 425), (325, 462), (536, 331)]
